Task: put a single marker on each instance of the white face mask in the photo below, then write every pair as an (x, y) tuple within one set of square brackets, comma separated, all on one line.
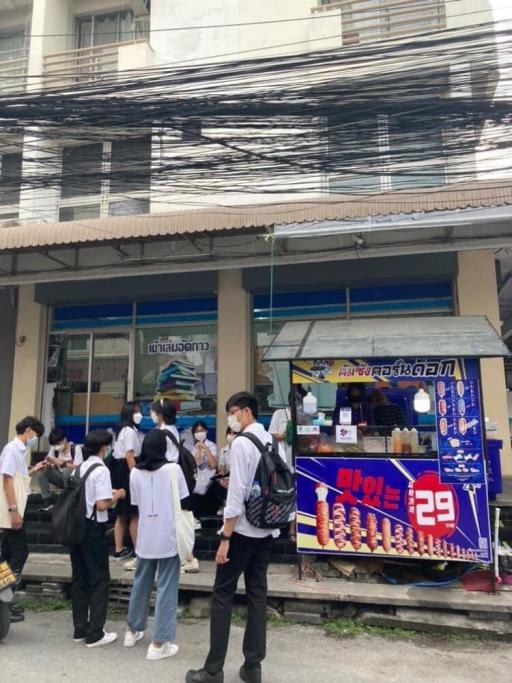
[(229, 438), (59, 448), (154, 417), (137, 418), (233, 424), (32, 442), (200, 436)]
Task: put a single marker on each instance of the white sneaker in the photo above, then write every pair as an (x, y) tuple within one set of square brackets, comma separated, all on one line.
[(131, 565), (191, 567), (167, 650), (107, 639), (132, 637), (197, 525)]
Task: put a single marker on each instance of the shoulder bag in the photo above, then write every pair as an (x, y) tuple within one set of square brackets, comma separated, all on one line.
[(21, 491), (183, 519)]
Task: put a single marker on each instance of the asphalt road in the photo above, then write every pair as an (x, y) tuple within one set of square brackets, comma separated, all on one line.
[(41, 649)]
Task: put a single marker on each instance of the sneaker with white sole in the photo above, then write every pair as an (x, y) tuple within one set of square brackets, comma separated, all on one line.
[(132, 637), (166, 650), (131, 565), (191, 567), (107, 639)]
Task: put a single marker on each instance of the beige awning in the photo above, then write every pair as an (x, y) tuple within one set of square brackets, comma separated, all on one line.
[(32, 235)]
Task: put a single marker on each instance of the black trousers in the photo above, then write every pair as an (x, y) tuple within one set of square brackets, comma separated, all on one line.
[(250, 557), (90, 583), (15, 549)]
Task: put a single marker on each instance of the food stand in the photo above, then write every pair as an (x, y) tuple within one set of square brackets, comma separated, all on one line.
[(389, 436)]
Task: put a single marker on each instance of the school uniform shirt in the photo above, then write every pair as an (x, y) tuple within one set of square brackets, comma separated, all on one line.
[(245, 458), (224, 458), (204, 471), (98, 486), (14, 458), (67, 457), (278, 425), (129, 439), (79, 456), (171, 453), (151, 492)]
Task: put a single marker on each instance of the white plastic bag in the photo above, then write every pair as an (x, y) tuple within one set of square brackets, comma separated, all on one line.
[(183, 520)]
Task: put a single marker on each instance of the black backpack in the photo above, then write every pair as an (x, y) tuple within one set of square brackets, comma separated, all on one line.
[(272, 502), (186, 461), (70, 512)]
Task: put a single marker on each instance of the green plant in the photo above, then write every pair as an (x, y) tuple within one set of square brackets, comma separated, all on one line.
[(45, 604), (350, 628)]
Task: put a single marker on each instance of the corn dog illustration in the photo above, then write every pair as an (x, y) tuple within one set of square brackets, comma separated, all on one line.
[(355, 528), (438, 550), (399, 539), (338, 520), (371, 532), (421, 543), (386, 535), (445, 549), (409, 540), (430, 545), (322, 515)]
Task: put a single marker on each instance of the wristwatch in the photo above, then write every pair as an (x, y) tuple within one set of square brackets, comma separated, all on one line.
[(223, 537), (13, 508)]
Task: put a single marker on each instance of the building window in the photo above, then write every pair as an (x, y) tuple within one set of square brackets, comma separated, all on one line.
[(105, 29), (385, 153), (106, 179), (10, 182)]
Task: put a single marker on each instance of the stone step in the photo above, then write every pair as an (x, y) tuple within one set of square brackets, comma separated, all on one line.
[(436, 621)]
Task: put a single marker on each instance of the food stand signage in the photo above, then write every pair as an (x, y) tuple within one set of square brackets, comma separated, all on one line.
[(388, 505)]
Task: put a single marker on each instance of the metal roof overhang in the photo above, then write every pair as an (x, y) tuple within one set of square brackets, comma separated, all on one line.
[(429, 337)]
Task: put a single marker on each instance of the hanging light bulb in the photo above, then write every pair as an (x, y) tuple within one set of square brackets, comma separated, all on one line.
[(422, 401), (309, 404)]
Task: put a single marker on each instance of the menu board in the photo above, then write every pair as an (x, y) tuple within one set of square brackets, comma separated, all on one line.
[(459, 432)]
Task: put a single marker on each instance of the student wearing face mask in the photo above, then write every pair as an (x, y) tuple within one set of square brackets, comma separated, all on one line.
[(126, 451), (205, 454), (89, 560), (13, 462), (61, 461), (163, 414)]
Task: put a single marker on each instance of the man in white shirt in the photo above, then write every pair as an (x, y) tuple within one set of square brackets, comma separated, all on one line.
[(244, 549), (13, 462), (89, 560)]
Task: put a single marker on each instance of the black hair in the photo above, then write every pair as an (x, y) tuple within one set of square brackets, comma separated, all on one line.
[(126, 417), (95, 441), (30, 423), (199, 423), (361, 388), (56, 436), (166, 409), (243, 399), (229, 431), (153, 451)]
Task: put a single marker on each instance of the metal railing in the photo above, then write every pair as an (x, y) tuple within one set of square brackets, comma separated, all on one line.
[(364, 21), (13, 71), (83, 64)]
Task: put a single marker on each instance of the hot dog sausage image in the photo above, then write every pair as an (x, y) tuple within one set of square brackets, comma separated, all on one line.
[(322, 515), (371, 531), (355, 528), (409, 540), (338, 520), (386, 535), (421, 543)]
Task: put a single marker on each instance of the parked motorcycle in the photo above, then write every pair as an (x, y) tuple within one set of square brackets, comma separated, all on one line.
[(7, 580)]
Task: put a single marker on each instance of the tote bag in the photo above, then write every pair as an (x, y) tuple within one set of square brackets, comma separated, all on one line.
[(21, 490), (183, 520)]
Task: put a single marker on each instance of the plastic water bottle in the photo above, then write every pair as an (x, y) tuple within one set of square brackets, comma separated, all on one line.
[(256, 490)]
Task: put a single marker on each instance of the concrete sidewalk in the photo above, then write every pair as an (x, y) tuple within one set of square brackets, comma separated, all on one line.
[(41, 650), (283, 583)]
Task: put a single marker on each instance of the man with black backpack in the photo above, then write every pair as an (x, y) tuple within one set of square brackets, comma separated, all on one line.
[(80, 518), (260, 487)]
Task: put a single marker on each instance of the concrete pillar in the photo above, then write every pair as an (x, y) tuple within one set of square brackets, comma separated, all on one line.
[(7, 347), (234, 343), (29, 356), (477, 294)]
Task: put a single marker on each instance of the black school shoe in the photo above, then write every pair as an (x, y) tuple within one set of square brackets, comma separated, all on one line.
[(250, 675), (16, 617), (16, 608), (202, 676)]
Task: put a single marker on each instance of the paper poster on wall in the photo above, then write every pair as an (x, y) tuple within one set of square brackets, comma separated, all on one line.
[(180, 367)]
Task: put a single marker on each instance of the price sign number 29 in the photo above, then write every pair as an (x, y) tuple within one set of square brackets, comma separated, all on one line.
[(432, 506)]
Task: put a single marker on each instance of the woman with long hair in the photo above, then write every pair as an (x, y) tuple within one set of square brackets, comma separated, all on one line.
[(157, 553), (126, 451)]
